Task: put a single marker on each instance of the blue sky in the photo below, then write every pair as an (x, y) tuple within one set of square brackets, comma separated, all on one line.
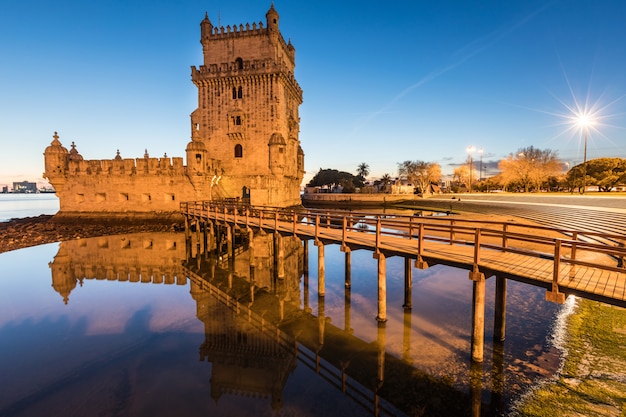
[(383, 82)]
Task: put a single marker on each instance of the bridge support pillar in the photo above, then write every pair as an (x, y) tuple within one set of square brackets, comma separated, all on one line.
[(347, 299), (305, 257), (478, 320), (320, 269), (499, 322), (229, 243), (382, 286), (279, 254), (381, 342), (348, 268), (408, 284), (406, 337), (476, 387), (321, 320)]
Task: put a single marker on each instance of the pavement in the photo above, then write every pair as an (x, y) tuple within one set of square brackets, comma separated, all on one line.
[(599, 214)]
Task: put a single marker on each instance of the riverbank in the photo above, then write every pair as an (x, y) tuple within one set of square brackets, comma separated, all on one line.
[(592, 379), (39, 230)]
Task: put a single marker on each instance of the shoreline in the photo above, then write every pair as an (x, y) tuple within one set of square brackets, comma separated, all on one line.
[(39, 230), (591, 380)]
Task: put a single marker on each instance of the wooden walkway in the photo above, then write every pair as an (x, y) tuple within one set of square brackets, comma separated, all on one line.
[(562, 261)]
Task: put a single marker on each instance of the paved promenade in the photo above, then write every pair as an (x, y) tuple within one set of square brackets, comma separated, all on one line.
[(603, 214)]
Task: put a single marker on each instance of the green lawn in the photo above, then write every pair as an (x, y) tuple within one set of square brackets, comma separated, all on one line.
[(592, 381)]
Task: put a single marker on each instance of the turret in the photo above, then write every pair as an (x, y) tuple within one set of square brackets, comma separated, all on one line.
[(272, 19), (55, 157), (206, 27), (196, 156)]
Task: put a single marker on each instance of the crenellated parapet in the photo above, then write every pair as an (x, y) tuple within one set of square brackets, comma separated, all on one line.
[(128, 166)]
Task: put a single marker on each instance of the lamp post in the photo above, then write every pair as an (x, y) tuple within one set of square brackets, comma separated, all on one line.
[(480, 173), (469, 150), (584, 121), (585, 159)]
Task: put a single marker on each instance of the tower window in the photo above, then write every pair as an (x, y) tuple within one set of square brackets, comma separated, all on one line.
[(238, 120), (198, 158), (234, 93), (240, 92), (238, 151), (239, 63)]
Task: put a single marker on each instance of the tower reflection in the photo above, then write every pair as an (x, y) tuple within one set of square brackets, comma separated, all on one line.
[(251, 290)]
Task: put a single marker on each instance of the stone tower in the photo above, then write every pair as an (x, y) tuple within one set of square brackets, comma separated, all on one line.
[(247, 115)]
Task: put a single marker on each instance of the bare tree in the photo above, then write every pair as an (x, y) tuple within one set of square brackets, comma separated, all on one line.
[(530, 167), (420, 173)]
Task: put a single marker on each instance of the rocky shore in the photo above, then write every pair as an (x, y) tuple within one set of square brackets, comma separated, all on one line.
[(32, 231)]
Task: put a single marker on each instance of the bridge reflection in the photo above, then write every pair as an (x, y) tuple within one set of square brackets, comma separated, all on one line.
[(252, 295)]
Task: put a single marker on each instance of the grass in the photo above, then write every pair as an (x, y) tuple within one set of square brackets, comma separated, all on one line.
[(592, 381)]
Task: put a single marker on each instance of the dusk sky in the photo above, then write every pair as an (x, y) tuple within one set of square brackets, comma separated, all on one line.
[(383, 82)]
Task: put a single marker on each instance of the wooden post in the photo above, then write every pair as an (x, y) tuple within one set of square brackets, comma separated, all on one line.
[(452, 232), (321, 319), (555, 296), (478, 320), (348, 269), (420, 263), (346, 310), (406, 337), (382, 286), (381, 342), (499, 322), (476, 388), (475, 274), (320, 268), (408, 284)]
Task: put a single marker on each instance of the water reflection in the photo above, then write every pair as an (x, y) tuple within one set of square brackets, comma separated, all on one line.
[(266, 338)]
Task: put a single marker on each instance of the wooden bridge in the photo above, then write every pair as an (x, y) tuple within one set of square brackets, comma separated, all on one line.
[(562, 261)]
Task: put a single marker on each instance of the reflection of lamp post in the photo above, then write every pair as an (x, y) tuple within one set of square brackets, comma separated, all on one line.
[(469, 150)]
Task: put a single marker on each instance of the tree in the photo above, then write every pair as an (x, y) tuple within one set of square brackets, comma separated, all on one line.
[(461, 176), (333, 178), (420, 173), (529, 168), (363, 171), (606, 173)]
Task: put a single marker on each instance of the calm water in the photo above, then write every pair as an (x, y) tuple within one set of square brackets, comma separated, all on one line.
[(27, 205), (144, 324)]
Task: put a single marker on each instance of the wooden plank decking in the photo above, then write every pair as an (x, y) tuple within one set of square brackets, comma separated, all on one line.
[(501, 251)]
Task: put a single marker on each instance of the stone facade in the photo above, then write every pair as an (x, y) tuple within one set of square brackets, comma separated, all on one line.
[(244, 136)]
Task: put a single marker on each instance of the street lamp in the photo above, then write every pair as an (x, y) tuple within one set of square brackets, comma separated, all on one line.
[(470, 150), (480, 173)]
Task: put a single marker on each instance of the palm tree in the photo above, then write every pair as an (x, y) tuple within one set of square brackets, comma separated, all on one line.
[(363, 170)]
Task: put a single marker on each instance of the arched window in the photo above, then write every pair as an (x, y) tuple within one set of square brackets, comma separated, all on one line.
[(239, 63), (238, 151), (240, 92), (234, 93), (238, 120)]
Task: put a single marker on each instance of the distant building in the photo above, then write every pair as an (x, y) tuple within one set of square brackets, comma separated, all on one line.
[(5, 189), (25, 187)]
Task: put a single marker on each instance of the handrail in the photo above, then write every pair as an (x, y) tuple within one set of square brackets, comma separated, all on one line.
[(482, 234)]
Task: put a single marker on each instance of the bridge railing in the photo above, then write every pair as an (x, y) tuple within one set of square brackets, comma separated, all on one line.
[(562, 246)]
